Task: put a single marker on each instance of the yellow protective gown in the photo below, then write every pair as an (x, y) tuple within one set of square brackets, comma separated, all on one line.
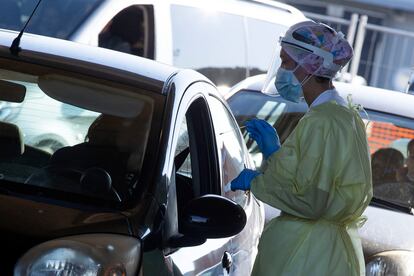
[(321, 181)]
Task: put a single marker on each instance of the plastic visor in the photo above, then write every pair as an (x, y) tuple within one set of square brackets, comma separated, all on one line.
[(268, 85)]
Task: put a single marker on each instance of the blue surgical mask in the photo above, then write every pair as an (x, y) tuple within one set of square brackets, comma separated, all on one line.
[(288, 85)]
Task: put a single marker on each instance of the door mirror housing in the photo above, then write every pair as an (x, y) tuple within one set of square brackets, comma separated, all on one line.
[(212, 216)]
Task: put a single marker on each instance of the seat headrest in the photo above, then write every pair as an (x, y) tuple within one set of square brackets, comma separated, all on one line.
[(104, 130), (11, 140)]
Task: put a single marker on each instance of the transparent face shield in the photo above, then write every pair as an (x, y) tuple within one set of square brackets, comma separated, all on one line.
[(268, 85), (289, 41)]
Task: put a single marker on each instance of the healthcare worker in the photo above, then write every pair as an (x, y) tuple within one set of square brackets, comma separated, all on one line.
[(320, 178)]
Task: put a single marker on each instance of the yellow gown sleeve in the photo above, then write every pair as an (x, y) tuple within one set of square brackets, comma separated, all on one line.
[(299, 177)]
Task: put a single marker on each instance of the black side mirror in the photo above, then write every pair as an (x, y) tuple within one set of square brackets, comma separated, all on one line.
[(212, 216)]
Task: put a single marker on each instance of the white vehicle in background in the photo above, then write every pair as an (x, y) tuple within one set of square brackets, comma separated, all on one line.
[(226, 40)]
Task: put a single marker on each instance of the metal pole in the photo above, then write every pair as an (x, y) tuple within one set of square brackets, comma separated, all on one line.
[(409, 80), (359, 43), (350, 36)]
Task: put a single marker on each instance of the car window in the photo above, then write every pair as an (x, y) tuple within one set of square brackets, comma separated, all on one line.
[(183, 166), (94, 148), (230, 146), (210, 42), (57, 18), (388, 137), (130, 31), (392, 167), (282, 114), (194, 162)]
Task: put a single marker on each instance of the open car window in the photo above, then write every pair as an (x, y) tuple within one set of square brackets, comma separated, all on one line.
[(70, 135), (388, 137), (392, 167), (281, 114)]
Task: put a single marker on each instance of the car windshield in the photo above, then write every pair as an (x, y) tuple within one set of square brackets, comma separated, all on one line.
[(71, 136), (55, 18), (388, 137)]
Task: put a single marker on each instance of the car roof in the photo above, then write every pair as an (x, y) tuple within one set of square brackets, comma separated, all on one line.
[(93, 61), (371, 98)]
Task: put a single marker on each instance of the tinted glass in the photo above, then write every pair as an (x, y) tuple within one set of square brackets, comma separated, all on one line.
[(211, 42), (56, 18), (95, 148)]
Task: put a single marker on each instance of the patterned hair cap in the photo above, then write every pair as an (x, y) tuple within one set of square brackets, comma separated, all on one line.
[(320, 36)]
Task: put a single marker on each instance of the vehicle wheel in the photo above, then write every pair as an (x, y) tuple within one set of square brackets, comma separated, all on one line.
[(49, 146)]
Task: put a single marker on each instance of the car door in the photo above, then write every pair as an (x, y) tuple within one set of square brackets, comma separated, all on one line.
[(234, 157), (195, 173)]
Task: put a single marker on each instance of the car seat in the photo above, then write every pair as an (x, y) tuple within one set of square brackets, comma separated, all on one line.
[(17, 160), (11, 141), (99, 153)]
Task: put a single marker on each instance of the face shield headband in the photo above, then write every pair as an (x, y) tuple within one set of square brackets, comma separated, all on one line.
[(289, 40)]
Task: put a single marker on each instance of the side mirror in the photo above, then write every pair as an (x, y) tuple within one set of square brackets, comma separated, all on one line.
[(212, 216)]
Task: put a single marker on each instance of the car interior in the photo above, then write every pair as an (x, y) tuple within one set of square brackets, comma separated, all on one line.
[(107, 160), (17, 160), (130, 31)]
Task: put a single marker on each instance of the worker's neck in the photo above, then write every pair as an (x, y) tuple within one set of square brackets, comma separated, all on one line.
[(313, 89)]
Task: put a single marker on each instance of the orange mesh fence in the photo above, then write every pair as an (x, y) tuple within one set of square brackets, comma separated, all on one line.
[(380, 135)]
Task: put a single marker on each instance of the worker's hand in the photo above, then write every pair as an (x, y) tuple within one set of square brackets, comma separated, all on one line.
[(243, 180), (265, 136)]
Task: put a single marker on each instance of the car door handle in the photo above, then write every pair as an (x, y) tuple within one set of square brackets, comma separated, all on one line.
[(227, 261)]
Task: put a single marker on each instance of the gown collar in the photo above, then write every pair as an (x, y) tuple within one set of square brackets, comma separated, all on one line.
[(327, 96)]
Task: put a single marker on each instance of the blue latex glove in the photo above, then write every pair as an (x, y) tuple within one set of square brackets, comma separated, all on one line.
[(265, 136), (242, 181)]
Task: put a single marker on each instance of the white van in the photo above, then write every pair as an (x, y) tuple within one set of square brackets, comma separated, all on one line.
[(226, 40)]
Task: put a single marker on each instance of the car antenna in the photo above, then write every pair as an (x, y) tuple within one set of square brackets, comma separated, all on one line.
[(15, 46)]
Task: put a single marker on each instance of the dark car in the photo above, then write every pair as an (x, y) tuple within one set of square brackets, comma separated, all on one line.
[(387, 237), (142, 189)]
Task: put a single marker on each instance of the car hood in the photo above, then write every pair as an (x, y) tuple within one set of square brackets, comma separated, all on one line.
[(386, 230)]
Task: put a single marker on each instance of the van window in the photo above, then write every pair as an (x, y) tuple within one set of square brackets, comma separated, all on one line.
[(263, 41), (130, 31), (210, 42)]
